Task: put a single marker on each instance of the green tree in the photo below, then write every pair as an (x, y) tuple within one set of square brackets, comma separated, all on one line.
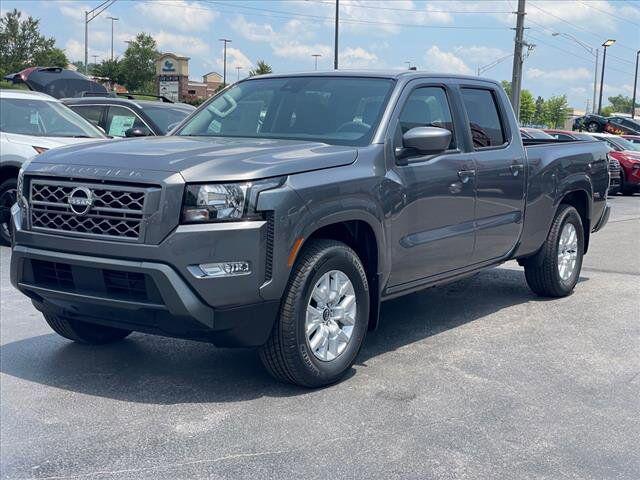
[(607, 111), (538, 116), (110, 69), (556, 111), (262, 68), (507, 87), (22, 45), (138, 65), (527, 108), (621, 103)]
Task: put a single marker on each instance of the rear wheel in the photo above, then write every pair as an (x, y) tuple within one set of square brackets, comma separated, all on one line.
[(554, 270), (84, 332), (323, 317), (8, 191), (593, 127)]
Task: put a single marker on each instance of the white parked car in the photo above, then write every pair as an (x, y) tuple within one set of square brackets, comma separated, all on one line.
[(30, 123)]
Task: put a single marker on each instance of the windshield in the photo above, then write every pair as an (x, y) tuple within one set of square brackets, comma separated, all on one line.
[(165, 116), (622, 143), (43, 118), (333, 110)]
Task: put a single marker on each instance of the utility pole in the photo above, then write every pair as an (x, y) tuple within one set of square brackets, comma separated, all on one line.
[(335, 48), (88, 16), (595, 83), (606, 44), (238, 68), (224, 60), (516, 77), (635, 87), (113, 19), (316, 56)]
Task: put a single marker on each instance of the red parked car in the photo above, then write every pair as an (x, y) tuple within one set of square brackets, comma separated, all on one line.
[(628, 154)]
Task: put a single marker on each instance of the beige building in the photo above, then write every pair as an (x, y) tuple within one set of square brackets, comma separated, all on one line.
[(172, 73)]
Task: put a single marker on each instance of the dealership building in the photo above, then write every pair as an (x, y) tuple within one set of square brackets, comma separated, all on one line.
[(172, 80)]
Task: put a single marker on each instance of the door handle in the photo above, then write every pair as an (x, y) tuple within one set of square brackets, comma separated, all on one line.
[(516, 168), (465, 175)]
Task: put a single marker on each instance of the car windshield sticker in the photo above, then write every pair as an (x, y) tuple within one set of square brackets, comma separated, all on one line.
[(120, 124)]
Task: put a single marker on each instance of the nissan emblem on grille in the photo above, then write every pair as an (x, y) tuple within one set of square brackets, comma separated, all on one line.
[(80, 200)]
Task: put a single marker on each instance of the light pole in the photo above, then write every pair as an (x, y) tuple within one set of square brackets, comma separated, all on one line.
[(335, 46), (635, 87), (113, 19), (88, 16), (238, 68), (592, 51), (606, 45), (316, 56), (224, 61)]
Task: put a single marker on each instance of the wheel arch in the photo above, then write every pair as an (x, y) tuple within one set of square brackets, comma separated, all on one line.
[(579, 199)]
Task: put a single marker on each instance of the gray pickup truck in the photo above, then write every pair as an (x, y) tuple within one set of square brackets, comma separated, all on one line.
[(284, 210)]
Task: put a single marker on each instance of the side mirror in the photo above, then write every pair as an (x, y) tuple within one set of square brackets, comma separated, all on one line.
[(137, 132), (427, 140)]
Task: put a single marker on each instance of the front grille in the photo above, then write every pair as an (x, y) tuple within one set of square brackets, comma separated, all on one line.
[(53, 275), (129, 285), (115, 211), (107, 283), (614, 165)]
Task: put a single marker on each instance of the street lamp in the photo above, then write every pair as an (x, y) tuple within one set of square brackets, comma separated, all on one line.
[(635, 86), (316, 56), (238, 68), (224, 68), (113, 19), (592, 51), (606, 45)]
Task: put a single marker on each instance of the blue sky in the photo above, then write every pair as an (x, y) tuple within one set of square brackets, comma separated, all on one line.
[(442, 36)]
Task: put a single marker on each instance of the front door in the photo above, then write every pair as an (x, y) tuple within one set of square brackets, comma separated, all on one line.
[(433, 228), (500, 175)]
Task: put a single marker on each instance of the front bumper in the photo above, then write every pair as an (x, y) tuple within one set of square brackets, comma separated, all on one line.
[(136, 295)]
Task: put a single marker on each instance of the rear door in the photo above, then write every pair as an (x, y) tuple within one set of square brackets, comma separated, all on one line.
[(433, 229), (500, 173)]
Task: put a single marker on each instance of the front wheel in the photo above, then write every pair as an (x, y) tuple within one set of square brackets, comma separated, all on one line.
[(554, 270), (323, 317), (593, 127)]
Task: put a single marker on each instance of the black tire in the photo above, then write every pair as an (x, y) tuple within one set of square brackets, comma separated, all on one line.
[(8, 190), (84, 332), (541, 270), (287, 354), (593, 127)]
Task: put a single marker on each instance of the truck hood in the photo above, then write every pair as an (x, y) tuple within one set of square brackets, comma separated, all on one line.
[(201, 159)]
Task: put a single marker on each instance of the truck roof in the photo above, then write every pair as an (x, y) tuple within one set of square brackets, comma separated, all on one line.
[(396, 74)]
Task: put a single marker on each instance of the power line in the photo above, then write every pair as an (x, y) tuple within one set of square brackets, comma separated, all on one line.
[(609, 14), (577, 27), (375, 7)]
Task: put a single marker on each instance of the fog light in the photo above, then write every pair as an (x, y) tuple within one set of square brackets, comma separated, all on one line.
[(222, 269)]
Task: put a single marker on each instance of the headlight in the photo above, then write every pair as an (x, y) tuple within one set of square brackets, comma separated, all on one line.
[(220, 202)]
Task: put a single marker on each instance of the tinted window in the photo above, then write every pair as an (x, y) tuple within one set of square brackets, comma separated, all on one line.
[(427, 107), (165, 116), (121, 119), (91, 113), (334, 110), (484, 119), (562, 136), (43, 118)]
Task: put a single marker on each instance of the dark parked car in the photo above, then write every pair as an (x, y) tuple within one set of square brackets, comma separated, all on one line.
[(123, 117), (288, 207), (616, 125), (57, 82)]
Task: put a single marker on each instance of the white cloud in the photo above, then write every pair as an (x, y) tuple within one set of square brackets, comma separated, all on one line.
[(357, 58), (444, 62), (284, 43), (565, 75), (180, 44), (74, 50), (235, 58), (179, 14), (479, 54)]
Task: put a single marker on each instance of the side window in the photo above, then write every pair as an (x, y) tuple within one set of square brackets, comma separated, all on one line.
[(120, 119), (561, 136), (91, 113), (427, 107), (484, 118)]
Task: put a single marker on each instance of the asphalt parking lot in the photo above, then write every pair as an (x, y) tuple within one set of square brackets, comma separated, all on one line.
[(479, 380)]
